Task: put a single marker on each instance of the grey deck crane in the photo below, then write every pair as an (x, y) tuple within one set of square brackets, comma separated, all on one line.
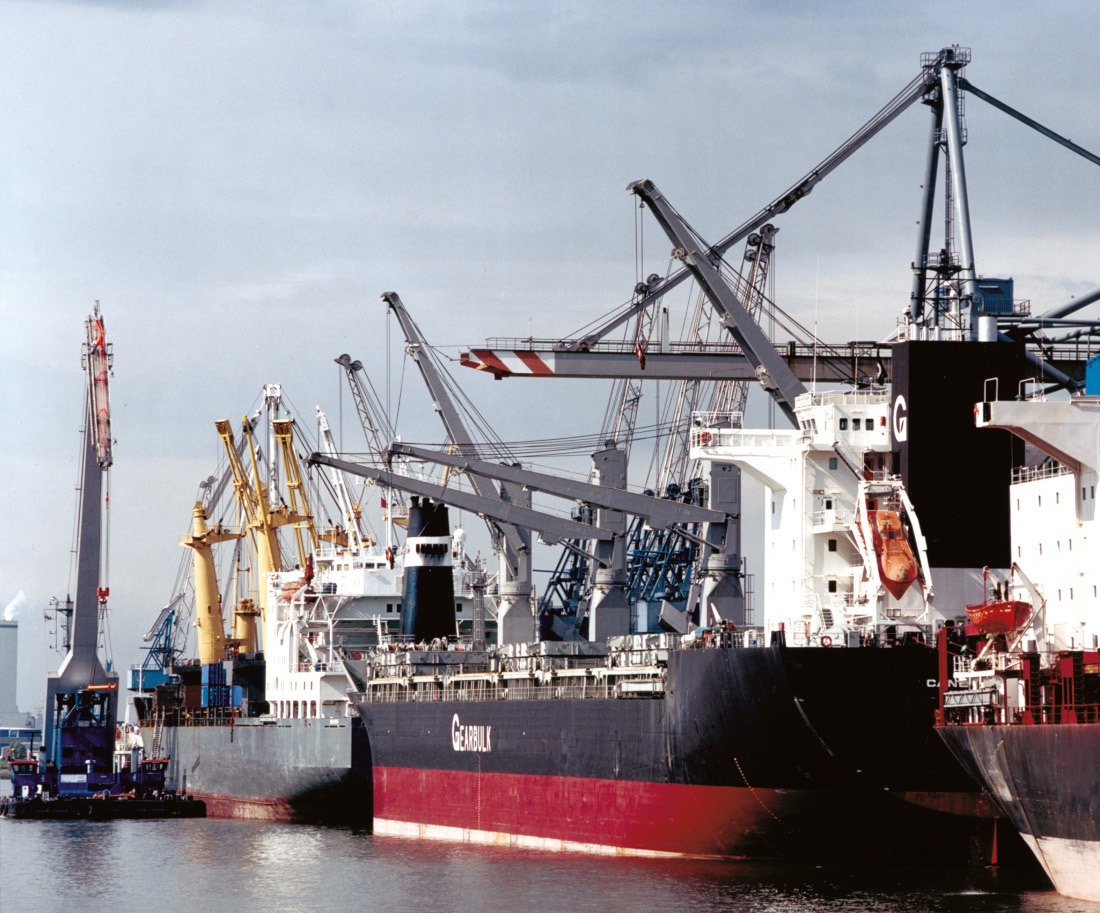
[(720, 539), (551, 529), (515, 616)]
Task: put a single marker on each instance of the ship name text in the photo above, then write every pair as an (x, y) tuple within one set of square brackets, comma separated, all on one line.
[(470, 738)]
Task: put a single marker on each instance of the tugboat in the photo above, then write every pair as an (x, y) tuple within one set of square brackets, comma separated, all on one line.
[(87, 766), (132, 788)]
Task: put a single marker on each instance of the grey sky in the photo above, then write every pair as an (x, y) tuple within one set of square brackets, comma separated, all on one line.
[(238, 183)]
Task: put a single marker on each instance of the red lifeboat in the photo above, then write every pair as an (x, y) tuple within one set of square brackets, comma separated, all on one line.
[(999, 616), (996, 614), (897, 566)]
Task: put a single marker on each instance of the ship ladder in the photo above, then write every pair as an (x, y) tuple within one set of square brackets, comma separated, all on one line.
[(158, 733)]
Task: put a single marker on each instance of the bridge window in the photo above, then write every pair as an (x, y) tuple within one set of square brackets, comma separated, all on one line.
[(832, 545), (844, 424)]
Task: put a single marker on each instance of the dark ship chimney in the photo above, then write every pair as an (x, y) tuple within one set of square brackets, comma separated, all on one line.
[(428, 603)]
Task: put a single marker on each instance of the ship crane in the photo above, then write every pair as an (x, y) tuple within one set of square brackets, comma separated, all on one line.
[(771, 370), (352, 538), (606, 620), (720, 521), (378, 432), (551, 529), (262, 522), (938, 85), (515, 618)]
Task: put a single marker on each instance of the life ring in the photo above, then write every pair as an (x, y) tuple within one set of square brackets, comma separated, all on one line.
[(356, 655), (826, 640), (704, 437)]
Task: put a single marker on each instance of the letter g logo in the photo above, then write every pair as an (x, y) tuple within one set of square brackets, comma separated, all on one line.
[(901, 419)]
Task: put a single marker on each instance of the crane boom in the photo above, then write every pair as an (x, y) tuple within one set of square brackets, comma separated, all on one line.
[(771, 370), (81, 666), (551, 528), (299, 502), (657, 510), (81, 670)]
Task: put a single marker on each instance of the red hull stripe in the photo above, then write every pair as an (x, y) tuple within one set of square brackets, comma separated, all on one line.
[(577, 813)]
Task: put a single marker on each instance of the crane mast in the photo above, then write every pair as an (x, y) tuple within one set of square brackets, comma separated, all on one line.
[(83, 693), (352, 537)]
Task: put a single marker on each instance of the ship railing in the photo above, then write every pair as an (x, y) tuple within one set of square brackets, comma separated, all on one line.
[(832, 517), (200, 716), (873, 397), (737, 437), (985, 707), (1048, 470), (717, 419), (319, 667), (557, 684)]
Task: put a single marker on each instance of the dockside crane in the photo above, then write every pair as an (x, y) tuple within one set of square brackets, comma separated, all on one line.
[(82, 698), (943, 279)]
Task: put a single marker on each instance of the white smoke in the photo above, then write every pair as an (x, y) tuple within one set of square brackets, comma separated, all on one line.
[(11, 610)]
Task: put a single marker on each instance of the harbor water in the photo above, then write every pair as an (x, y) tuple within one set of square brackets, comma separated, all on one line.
[(230, 866)]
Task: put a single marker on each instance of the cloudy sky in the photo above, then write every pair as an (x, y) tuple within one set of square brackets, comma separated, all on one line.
[(238, 183)]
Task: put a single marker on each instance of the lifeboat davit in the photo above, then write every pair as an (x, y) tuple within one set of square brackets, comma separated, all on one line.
[(897, 566)]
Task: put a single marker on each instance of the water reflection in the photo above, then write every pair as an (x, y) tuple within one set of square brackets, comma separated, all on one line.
[(239, 866)]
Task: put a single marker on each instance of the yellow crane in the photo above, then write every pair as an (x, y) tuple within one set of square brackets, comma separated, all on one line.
[(299, 503), (261, 520), (208, 604)]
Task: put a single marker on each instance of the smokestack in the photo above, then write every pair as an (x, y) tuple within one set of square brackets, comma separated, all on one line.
[(9, 656), (428, 602)]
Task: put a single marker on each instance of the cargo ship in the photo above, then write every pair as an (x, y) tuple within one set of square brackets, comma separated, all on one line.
[(735, 739), (258, 725), (1022, 711)]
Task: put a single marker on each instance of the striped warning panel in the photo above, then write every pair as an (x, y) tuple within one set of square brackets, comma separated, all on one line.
[(503, 362)]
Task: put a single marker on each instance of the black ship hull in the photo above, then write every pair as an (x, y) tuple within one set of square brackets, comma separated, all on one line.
[(778, 752), (1046, 780)]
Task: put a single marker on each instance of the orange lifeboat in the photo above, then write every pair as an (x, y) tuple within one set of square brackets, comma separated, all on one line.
[(999, 616), (897, 566), (996, 614)]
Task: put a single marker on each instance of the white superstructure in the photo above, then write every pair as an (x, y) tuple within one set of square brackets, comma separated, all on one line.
[(1055, 537), (318, 629), (824, 484)]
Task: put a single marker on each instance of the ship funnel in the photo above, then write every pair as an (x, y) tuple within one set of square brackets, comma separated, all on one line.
[(428, 602)]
